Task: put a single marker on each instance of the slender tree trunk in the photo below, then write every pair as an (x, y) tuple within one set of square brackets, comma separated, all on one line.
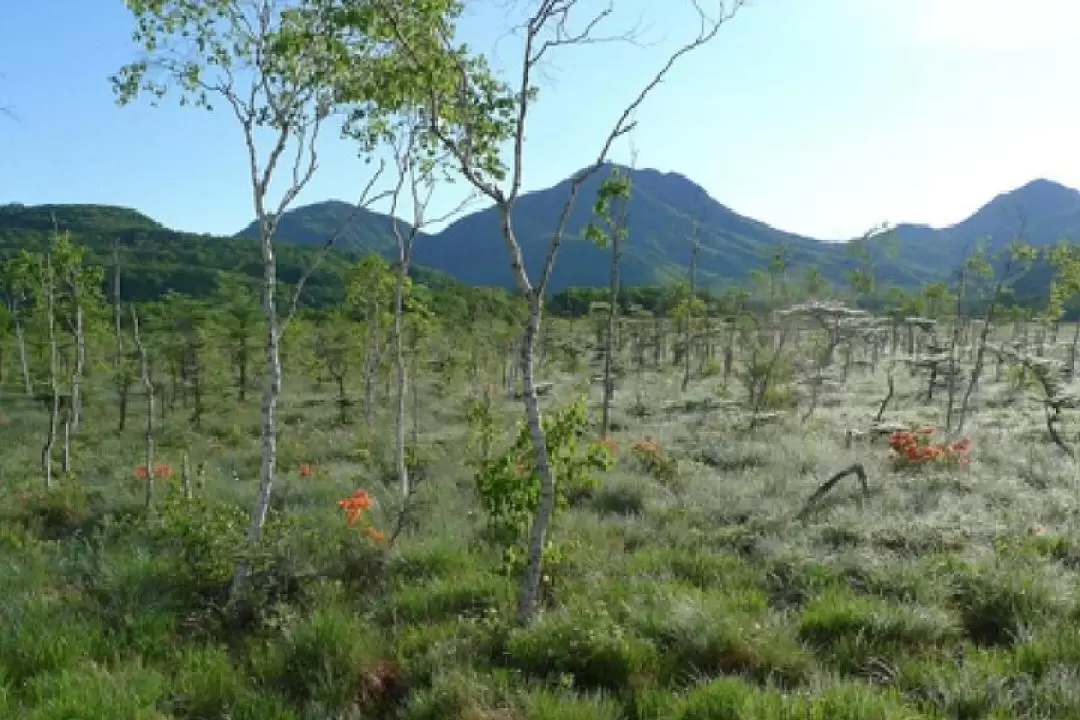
[(399, 361), (148, 388), (689, 331), (416, 392), (54, 385), (185, 476), (529, 601), (271, 392), (75, 413), (242, 359), (609, 340), (24, 362)]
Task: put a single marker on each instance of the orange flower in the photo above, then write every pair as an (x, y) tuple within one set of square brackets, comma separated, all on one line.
[(162, 471), (355, 505), (306, 470), (375, 535)]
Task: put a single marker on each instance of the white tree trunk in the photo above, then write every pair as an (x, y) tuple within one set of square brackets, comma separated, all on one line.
[(271, 392), (54, 386), (80, 364), (148, 388), (529, 601), (399, 359)]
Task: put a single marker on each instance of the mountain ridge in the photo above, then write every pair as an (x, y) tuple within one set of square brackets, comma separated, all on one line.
[(667, 208)]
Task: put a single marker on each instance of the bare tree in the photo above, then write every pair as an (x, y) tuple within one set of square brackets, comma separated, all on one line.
[(416, 175)]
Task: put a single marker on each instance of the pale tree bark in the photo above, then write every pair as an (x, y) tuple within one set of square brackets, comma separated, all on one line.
[(619, 232), (304, 167), (418, 178), (49, 292), (148, 388), (546, 29), (79, 368), (688, 330), (121, 376), (24, 361)]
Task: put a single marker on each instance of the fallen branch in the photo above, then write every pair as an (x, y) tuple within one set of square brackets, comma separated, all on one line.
[(857, 470)]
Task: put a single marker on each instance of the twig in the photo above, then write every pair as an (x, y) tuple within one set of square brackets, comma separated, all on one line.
[(366, 200)]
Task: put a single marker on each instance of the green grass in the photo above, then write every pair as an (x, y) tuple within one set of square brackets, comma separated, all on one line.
[(947, 595)]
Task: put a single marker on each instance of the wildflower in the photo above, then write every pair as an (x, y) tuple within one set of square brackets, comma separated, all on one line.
[(306, 470), (162, 471), (355, 505), (374, 534)]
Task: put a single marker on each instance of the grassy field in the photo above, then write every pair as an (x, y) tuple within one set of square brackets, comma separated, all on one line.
[(946, 593)]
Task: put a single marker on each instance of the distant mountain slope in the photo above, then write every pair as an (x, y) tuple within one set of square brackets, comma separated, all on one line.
[(665, 212), (313, 225), (74, 218), (155, 260), (1044, 212)]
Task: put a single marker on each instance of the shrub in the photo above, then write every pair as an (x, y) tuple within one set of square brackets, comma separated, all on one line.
[(916, 450)]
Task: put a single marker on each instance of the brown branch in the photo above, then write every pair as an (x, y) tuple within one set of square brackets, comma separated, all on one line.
[(887, 398), (1053, 419), (856, 469)]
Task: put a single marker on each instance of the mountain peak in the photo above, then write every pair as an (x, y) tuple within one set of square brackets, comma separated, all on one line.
[(1040, 197)]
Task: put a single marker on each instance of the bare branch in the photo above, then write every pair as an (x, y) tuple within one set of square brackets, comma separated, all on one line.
[(623, 125), (365, 201)]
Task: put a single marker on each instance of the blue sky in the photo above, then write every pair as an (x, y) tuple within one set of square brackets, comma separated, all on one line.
[(821, 117)]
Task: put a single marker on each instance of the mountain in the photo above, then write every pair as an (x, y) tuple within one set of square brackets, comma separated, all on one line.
[(1042, 211), (155, 260), (665, 212), (74, 218), (313, 225)]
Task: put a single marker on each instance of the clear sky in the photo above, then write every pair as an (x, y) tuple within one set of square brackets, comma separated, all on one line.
[(822, 117)]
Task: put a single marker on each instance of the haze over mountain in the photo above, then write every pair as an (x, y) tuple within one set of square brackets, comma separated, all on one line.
[(665, 210)]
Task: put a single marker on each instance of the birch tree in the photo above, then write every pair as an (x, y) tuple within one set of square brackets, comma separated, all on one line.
[(266, 63), (471, 116)]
